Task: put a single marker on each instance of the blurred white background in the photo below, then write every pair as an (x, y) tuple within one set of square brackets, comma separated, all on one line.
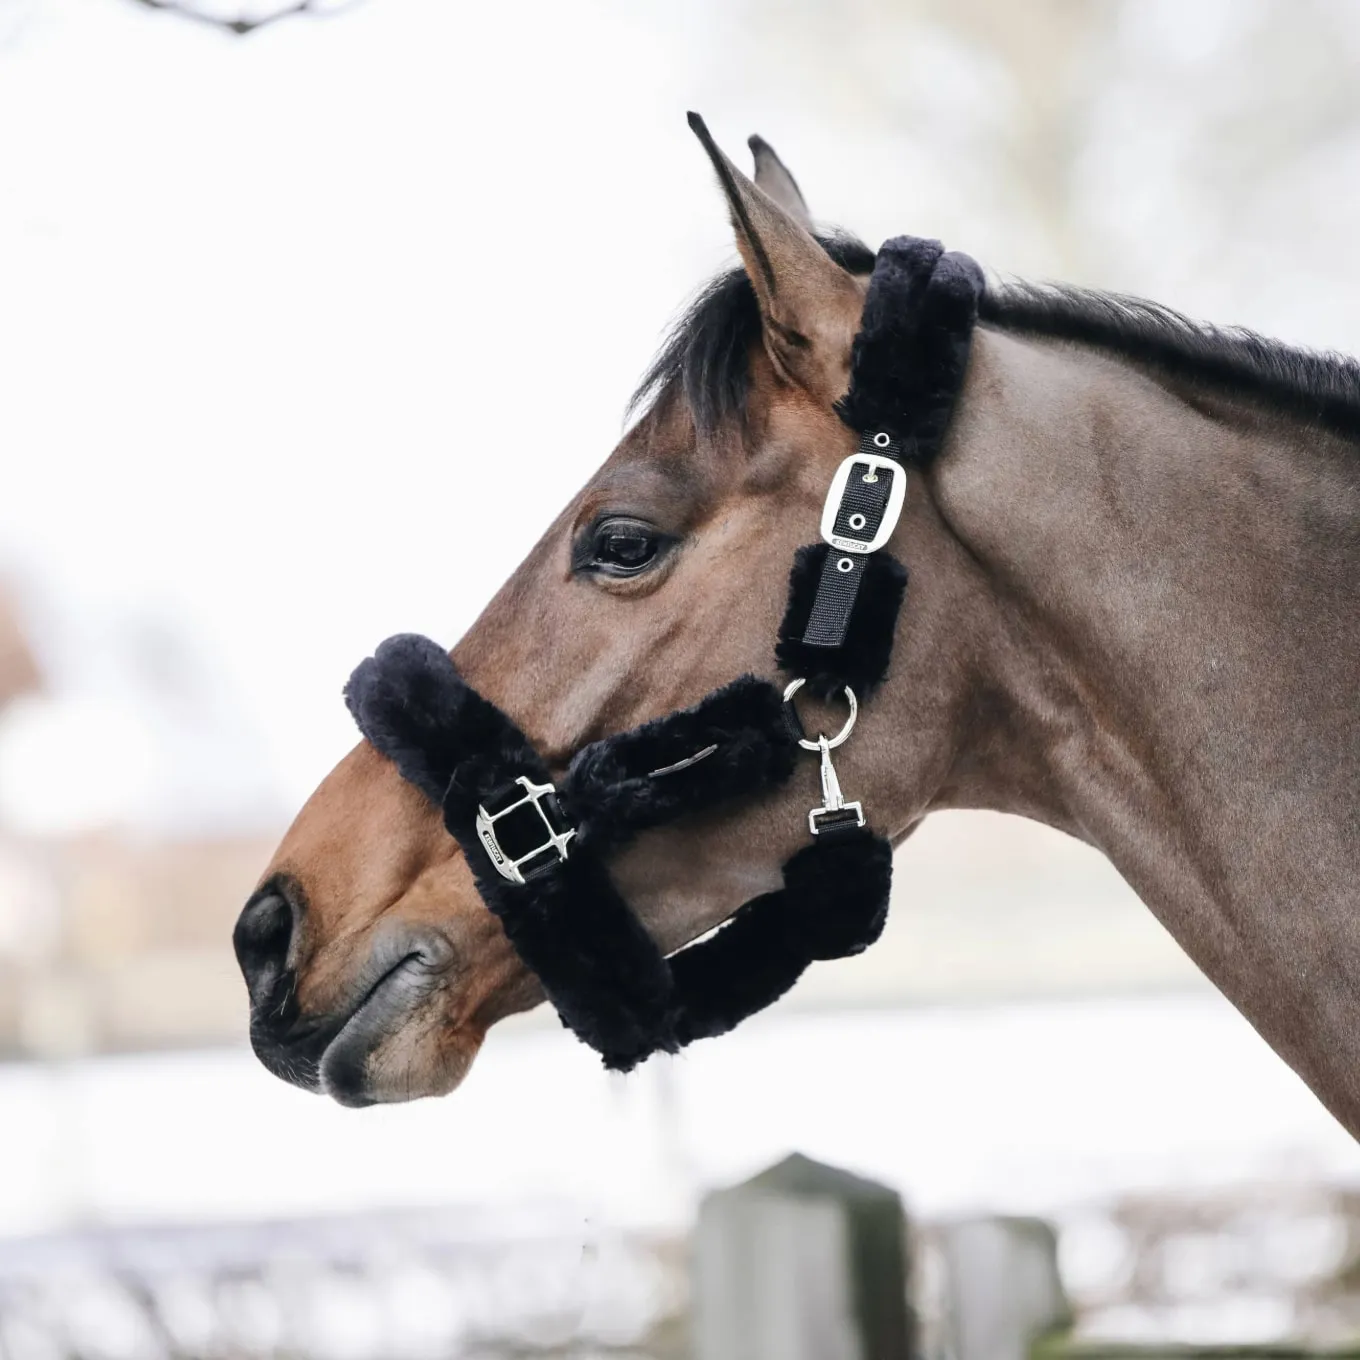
[(273, 311)]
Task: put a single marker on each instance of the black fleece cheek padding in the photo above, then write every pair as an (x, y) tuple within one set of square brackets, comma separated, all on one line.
[(861, 661), (731, 743)]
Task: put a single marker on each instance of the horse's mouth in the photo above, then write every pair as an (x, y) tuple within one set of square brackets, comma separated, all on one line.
[(387, 1008), (391, 1012)]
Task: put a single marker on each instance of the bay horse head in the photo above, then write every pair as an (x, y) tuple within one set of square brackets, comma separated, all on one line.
[(662, 579)]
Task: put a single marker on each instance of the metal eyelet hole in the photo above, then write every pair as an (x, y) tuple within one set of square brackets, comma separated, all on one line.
[(882, 440), (858, 521), (845, 564)]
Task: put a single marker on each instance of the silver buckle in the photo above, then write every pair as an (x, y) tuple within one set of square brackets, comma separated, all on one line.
[(509, 866), (877, 466)]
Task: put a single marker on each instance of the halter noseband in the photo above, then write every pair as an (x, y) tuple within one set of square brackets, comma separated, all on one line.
[(537, 851)]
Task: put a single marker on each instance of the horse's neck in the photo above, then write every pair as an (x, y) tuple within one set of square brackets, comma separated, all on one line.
[(1183, 576)]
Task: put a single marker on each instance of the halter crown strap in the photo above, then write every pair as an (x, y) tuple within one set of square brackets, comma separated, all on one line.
[(859, 508), (907, 366)]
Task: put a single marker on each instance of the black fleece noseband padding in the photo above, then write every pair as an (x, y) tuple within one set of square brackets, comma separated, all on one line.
[(598, 965), (410, 703), (609, 982)]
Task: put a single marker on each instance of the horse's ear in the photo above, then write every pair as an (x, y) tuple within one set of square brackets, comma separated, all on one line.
[(773, 176), (809, 305)]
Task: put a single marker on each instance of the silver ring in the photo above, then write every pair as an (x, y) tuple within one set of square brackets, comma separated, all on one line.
[(832, 742), (858, 521), (882, 440), (845, 564)]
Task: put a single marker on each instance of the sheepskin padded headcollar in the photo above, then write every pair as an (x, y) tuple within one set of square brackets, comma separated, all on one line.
[(597, 963)]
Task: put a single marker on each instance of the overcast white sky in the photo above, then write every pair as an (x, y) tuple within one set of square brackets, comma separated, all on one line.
[(273, 312)]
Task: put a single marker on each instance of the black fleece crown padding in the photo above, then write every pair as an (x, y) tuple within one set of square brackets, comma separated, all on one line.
[(908, 361)]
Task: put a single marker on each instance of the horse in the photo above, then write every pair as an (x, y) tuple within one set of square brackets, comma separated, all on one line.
[(1132, 616)]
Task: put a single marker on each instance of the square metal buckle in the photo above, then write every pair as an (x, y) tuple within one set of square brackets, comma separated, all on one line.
[(507, 865), (875, 466)]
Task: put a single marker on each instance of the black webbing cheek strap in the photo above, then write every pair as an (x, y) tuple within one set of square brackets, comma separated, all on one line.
[(859, 516)]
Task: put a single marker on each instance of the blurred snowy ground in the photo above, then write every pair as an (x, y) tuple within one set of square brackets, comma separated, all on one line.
[(1022, 1108), (1198, 1192)]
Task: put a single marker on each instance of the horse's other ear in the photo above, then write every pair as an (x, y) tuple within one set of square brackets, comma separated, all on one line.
[(773, 176), (809, 305)]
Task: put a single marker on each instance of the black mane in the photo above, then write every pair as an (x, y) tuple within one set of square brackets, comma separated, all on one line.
[(705, 356), (1317, 387)]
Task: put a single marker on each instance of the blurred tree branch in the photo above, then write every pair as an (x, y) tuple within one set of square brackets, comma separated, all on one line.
[(242, 24)]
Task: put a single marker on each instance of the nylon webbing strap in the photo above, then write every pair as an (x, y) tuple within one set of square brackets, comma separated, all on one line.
[(835, 599), (863, 504)]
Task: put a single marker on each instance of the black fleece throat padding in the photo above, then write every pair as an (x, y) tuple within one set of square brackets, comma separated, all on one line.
[(600, 968)]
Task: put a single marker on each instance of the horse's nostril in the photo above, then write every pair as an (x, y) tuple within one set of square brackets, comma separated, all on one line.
[(263, 937)]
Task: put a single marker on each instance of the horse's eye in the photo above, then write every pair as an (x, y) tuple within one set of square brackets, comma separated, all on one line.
[(622, 547)]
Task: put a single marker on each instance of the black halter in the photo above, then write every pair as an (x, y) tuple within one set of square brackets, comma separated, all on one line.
[(538, 851)]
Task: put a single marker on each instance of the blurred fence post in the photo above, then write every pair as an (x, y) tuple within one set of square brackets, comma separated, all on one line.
[(803, 1262), (1002, 1286)]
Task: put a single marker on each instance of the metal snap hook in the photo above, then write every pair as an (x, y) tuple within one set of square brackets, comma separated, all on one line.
[(830, 742)]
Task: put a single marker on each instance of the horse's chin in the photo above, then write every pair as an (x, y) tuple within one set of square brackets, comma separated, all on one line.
[(398, 1044)]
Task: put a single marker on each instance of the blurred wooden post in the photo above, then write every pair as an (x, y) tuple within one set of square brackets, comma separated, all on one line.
[(803, 1262), (1003, 1290)]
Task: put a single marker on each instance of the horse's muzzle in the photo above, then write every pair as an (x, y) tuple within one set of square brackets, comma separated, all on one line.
[(329, 1052)]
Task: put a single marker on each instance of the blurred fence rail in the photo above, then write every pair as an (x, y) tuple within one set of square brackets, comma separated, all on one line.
[(393, 1285), (1265, 1273)]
